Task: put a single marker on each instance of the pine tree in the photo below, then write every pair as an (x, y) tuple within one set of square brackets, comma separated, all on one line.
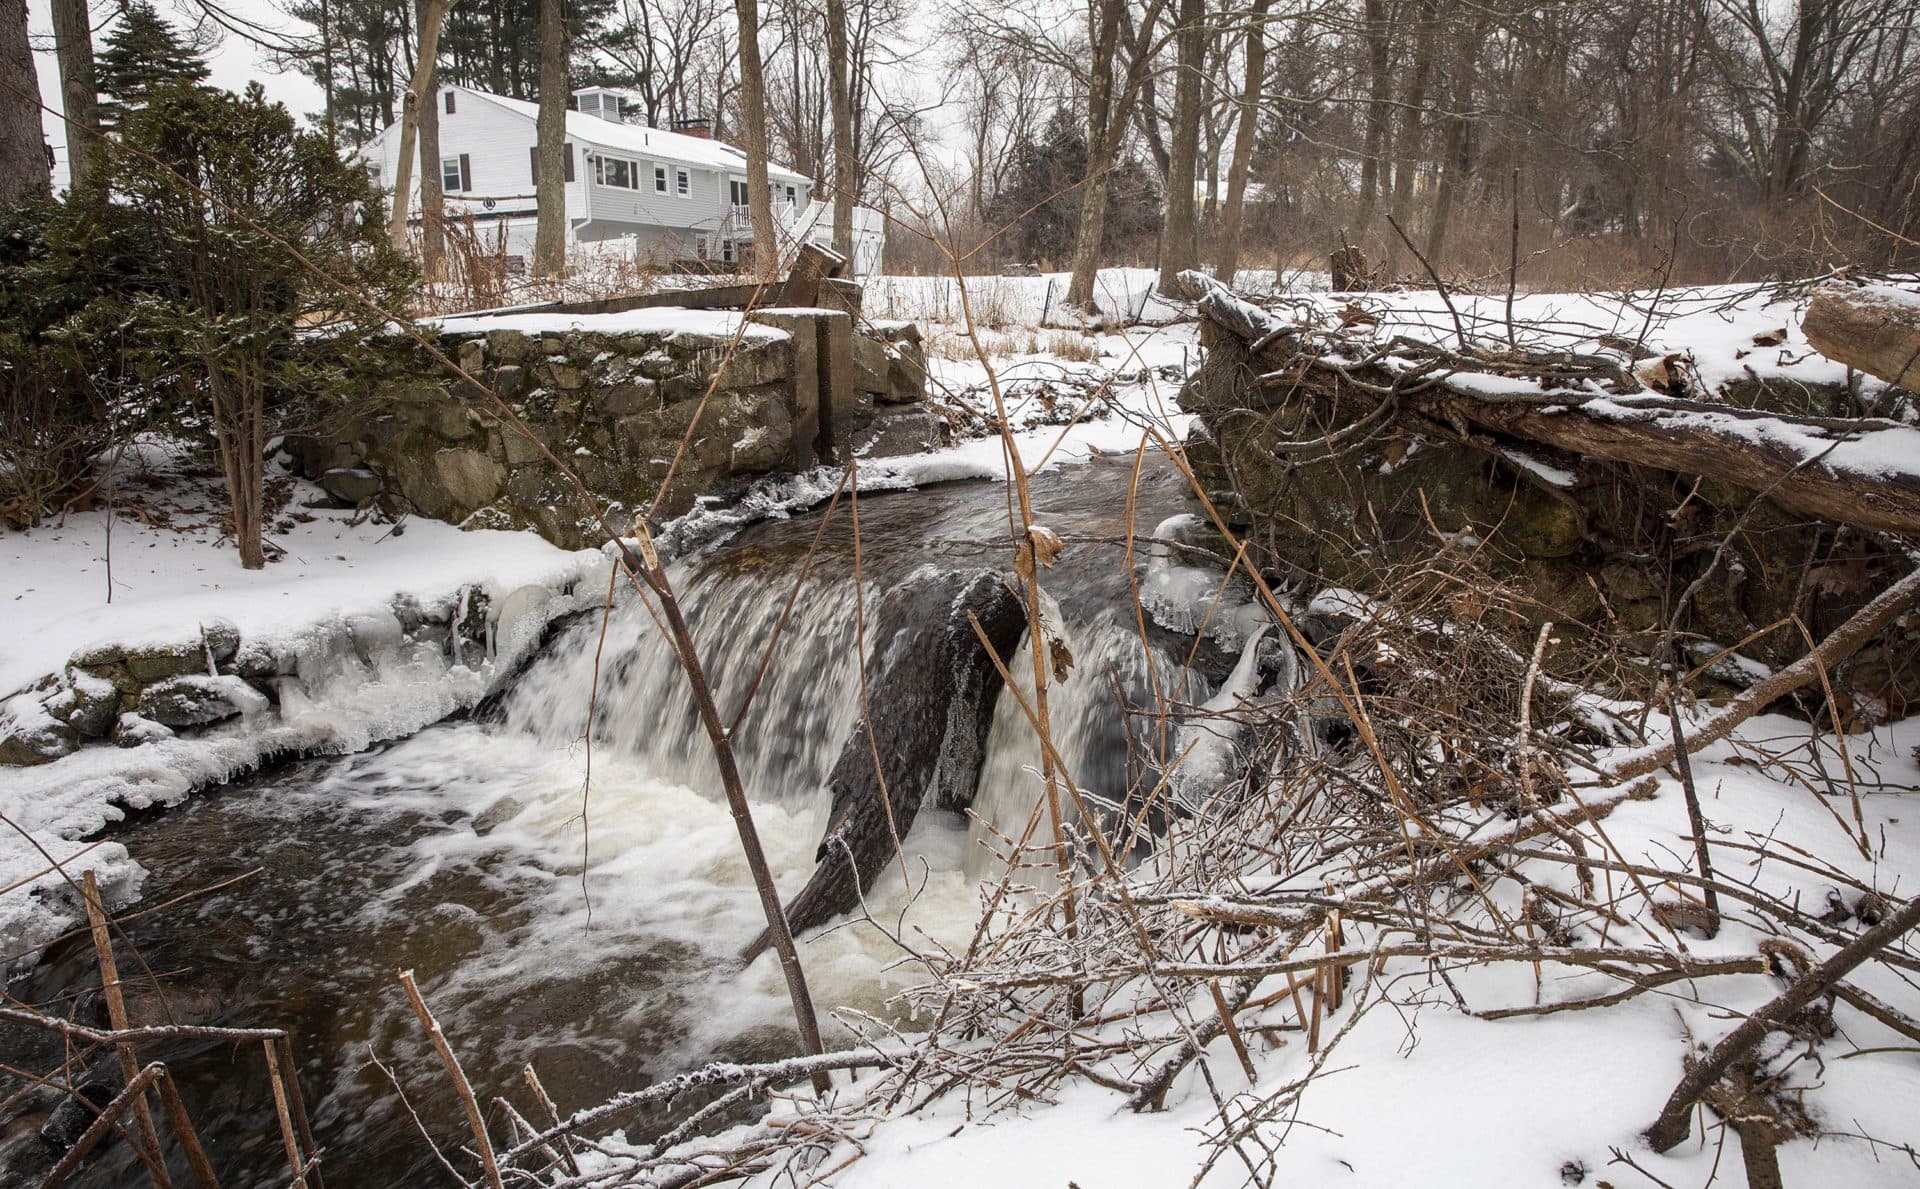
[(143, 57)]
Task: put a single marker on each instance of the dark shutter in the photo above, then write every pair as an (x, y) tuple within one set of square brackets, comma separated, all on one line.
[(466, 171), (533, 162), (569, 155), (449, 101)]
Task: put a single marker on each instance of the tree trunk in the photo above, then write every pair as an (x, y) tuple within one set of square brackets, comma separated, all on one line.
[(1104, 40), (843, 163), (23, 149), (1177, 253), (753, 140), (1875, 329), (1228, 261), (1454, 158), (1378, 83), (1413, 117), (419, 92), (433, 199), (73, 44), (550, 188)]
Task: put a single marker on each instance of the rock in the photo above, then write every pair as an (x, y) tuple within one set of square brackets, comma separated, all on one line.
[(470, 479), (908, 431), (906, 373), (199, 701), (132, 730), (569, 378), (624, 400), (472, 356), (350, 485), (91, 705), (161, 661), (508, 346), (221, 639), (30, 736), (755, 362), (509, 381), (870, 365)]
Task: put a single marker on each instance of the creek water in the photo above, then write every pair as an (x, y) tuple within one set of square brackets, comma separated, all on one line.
[(573, 898)]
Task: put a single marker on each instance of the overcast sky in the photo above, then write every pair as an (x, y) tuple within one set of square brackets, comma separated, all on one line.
[(236, 62)]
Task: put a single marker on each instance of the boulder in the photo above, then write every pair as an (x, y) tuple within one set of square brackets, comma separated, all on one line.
[(198, 701), (161, 661), (30, 736), (350, 485), (871, 363)]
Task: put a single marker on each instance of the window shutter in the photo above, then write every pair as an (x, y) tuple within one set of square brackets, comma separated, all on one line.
[(533, 162), (569, 155), (466, 170)]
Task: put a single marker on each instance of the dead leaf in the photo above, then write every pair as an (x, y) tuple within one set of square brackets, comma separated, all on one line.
[(1046, 543), (1059, 657), (1358, 315), (1667, 373), (1770, 338)]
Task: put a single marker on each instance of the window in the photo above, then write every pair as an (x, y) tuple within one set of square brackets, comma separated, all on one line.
[(617, 171), (738, 192), (453, 173), (793, 196), (726, 250), (683, 183), (449, 102), (659, 179)]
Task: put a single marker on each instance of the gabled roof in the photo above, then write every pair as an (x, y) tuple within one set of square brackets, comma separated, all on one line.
[(643, 141)]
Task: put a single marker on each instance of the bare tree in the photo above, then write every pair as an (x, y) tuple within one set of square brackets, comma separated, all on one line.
[(1227, 262), (1178, 252), (753, 139), (843, 161), (433, 14)]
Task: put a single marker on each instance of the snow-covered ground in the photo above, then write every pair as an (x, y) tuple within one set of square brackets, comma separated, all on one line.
[(1422, 1093)]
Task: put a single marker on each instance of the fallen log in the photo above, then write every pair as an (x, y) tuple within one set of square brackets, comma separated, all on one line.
[(1874, 328), (1859, 471), (929, 692)]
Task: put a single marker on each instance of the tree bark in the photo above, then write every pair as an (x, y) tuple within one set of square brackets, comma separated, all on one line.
[(1874, 329), (73, 45), (1413, 117), (550, 188), (753, 140), (23, 149), (842, 99), (420, 91), (1378, 83), (1104, 39), (433, 199), (1177, 253), (1227, 263)]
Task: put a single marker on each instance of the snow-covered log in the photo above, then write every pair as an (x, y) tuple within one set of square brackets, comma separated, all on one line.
[(1875, 328), (1859, 471)]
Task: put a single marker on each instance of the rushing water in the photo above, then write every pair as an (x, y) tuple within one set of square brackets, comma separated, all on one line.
[(588, 926)]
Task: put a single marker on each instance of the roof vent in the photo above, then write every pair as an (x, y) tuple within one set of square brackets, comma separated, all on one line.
[(599, 102)]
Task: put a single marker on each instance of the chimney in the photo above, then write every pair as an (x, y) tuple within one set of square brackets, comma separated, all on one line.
[(698, 126)]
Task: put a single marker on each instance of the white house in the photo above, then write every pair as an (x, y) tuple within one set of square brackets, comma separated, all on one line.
[(665, 196)]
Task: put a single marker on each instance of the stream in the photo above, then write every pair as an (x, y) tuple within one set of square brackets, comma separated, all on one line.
[(574, 899)]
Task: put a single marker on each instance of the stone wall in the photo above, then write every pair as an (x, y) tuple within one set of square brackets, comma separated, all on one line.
[(617, 397)]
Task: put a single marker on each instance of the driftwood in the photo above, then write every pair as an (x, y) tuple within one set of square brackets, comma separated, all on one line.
[(1845, 470), (1874, 328)]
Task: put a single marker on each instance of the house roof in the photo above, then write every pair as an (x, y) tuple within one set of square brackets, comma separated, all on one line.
[(644, 141)]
